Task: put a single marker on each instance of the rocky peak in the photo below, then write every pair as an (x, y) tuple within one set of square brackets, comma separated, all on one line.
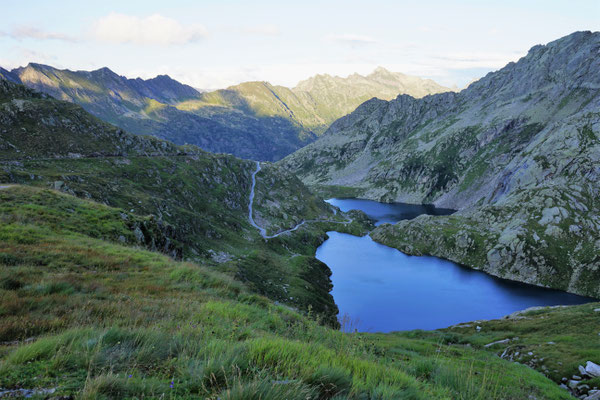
[(381, 72), (569, 62), (9, 76), (165, 89), (36, 76), (315, 82)]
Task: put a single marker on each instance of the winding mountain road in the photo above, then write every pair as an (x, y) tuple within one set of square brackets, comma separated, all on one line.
[(263, 231)]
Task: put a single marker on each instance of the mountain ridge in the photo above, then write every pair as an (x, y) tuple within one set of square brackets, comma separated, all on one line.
[(253, 120), (501, 151)]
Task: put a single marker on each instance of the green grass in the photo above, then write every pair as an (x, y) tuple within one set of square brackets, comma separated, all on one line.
[(191, 207), (97, 319)]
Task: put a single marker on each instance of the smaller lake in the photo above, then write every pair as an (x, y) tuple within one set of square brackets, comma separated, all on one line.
[(391, 213), (381, 289)]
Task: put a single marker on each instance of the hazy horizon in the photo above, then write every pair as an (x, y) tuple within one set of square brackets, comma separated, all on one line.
[(212, 45)]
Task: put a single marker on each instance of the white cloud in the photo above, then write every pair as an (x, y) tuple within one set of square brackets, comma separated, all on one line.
[(152, 30), (351, 39), (30, 32)]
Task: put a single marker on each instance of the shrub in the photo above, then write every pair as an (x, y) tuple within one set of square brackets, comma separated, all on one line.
[(268, 390), (330, 381), (10, 284)]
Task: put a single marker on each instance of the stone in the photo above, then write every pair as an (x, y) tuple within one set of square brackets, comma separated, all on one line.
[(58, 185), (576, 377), (582, 370), (583, 388), (139, 235), (497, 342), (594, 396), (592, 369), (572, 384), (220, 257)]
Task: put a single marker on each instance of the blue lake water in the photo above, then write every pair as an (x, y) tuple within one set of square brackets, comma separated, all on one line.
[(383, 213), (380, 289)]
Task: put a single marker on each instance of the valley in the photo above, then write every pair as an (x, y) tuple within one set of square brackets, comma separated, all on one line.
[(376, 236)]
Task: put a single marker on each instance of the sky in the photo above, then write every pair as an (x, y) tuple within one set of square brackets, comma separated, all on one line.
[(215, 44)]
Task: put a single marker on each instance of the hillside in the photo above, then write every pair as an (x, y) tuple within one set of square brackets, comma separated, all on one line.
[(133, 272), (516, 153), (147, 107), (196, 201), (254, 120), (83, 314)]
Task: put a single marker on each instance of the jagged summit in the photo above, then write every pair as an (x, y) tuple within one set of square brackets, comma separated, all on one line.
[(571, 61), (517, 152), (254, 120)]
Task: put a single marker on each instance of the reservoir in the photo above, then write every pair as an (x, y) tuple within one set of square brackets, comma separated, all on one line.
[(380, 289)]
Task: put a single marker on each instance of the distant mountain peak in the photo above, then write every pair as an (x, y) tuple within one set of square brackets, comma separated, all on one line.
[(104, 70), (380, 70), (9, 76), (37, 66), (161, 77), (383, 84)]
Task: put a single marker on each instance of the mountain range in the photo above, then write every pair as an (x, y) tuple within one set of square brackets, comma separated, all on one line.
[(517, 153), (253, 120), (129, 266)]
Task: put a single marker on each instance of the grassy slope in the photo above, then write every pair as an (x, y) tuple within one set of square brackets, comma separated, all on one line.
[(201, 217), (103, 320), (196, 202)]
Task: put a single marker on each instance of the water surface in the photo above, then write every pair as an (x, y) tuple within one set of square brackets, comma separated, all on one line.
[(382, 289), (388, 212)]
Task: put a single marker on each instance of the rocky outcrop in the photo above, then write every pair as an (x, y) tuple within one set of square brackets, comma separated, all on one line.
[(517, 152)]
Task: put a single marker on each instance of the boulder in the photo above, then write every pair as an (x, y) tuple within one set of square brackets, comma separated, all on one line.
[(497, 342), (594, 396), (58, 185), (139, 235), (592, 369), (583, 388)]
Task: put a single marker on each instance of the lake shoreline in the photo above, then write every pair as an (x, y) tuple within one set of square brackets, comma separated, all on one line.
[(437, 293)]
